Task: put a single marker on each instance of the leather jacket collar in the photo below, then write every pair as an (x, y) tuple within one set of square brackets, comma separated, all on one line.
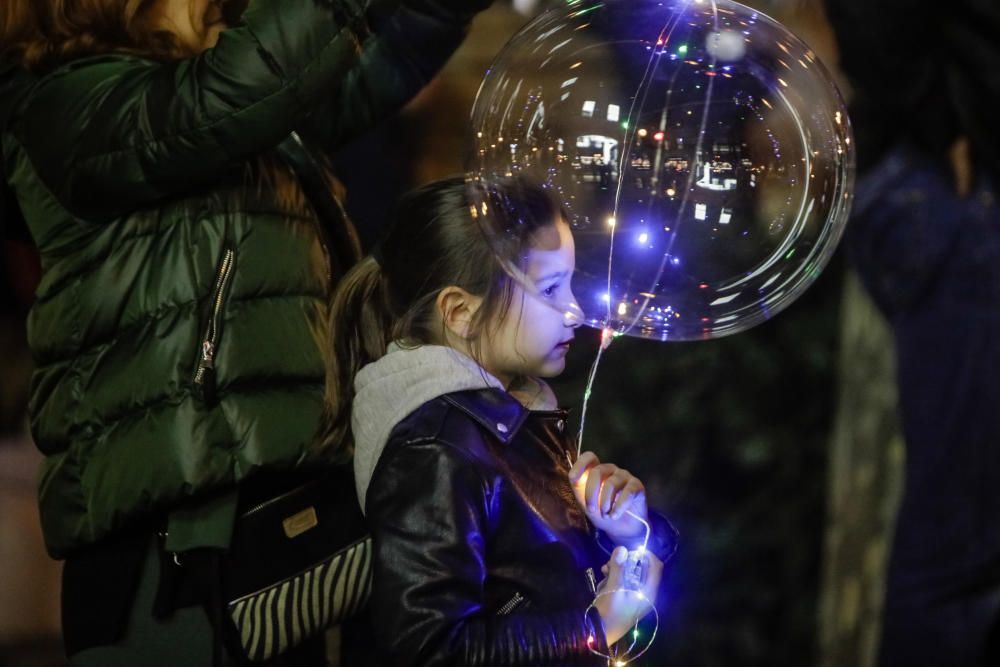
[(495, 410)]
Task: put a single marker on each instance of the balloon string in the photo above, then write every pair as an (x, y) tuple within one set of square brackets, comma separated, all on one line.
[(607, 335)]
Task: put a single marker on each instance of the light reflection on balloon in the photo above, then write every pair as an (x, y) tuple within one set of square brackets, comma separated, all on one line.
[(702, 153)]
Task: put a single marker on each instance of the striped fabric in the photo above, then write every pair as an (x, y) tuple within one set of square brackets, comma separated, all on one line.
[(274, 619)]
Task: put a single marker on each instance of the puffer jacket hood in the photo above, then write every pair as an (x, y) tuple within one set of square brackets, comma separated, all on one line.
[(391, 388)]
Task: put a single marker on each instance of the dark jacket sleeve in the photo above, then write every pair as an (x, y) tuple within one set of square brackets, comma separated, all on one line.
[(409, 44), (663, 538), (428, 508), (905, 227), (110, 134)]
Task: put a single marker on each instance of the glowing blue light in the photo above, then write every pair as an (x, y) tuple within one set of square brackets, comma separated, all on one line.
[(643, 238), (606, 298)]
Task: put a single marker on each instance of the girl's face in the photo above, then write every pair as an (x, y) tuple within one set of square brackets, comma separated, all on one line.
[(533, 336)]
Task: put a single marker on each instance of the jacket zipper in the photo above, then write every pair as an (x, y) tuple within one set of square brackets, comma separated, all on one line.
[(511, 604), (204, 377), (253, 509), (592, 580)]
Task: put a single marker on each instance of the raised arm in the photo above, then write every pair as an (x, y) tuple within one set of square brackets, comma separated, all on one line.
[(113, 133), (410, 42)]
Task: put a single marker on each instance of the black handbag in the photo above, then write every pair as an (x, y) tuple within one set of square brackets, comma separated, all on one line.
[(300, 559), (299, 562)]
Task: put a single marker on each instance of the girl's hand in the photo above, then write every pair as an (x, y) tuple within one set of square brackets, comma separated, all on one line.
[(620, 609), (605, 491)]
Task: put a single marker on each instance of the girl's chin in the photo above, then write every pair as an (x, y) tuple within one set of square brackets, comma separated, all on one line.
[(552, 367)]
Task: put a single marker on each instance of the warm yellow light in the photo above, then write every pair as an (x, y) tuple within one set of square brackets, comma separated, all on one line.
[(642, 132), (612, 222)]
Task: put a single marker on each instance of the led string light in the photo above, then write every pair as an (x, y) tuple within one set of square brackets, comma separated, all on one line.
[(608, 335), (620, 659)]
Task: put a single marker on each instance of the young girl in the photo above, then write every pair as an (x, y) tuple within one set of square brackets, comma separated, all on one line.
[(484, 554)]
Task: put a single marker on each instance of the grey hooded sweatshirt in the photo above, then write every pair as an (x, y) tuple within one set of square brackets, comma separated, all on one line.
[(388, 390)]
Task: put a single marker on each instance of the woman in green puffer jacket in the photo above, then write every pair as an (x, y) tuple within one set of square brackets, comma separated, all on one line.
[(156, 149)]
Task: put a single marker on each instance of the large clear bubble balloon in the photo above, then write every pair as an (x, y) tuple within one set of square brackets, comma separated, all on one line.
[(702, 153)]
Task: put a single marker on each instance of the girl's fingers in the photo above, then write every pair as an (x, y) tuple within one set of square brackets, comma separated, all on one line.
[(595, 481), (653, 576), (633, 491), (611, 487), (618, 558), (586, 461)]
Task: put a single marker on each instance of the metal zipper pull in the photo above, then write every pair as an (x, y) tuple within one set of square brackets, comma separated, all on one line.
[(592, 580), (511, 604), (207, 358), (204, 378)]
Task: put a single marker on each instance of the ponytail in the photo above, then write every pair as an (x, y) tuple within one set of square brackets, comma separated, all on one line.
[(360, 331), (431, 242)]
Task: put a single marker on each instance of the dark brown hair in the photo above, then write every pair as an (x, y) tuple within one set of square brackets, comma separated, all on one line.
[(42, 34), (436, 239)]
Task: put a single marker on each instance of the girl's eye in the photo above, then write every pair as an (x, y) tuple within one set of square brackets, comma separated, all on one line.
[(550, 290)]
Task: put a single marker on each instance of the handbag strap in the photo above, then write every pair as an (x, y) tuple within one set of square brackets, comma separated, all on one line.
[(333, 224)]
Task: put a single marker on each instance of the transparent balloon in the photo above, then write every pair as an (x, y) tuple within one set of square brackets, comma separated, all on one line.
[(701, 152)]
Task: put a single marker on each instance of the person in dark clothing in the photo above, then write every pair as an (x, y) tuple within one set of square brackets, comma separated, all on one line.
[(169, 158), (482, 515), (925, 239)]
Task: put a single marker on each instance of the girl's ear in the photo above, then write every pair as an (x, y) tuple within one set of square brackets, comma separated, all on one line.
[(456, 307)]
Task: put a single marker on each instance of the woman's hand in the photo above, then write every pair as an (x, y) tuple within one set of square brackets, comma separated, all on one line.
[(605, 492), (620, 609)]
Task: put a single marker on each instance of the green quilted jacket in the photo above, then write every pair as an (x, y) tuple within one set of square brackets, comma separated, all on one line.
[(178, 326)]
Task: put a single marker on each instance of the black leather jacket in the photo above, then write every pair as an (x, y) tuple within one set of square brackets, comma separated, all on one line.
[(482, 555)]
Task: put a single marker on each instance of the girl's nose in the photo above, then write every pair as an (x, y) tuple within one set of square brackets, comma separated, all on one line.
[(573, 315)]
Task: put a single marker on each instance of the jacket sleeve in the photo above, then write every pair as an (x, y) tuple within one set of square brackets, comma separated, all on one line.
[(409, 44), (663, 538), (112, 133), (428, 510), (905, 226)]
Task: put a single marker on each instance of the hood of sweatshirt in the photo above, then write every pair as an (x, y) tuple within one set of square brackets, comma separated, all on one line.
[(390, 389)]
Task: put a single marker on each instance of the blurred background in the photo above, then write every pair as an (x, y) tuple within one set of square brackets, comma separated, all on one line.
[(775, 452)]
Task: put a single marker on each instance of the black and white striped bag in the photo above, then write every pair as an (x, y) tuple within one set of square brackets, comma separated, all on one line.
[(300, 563)]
